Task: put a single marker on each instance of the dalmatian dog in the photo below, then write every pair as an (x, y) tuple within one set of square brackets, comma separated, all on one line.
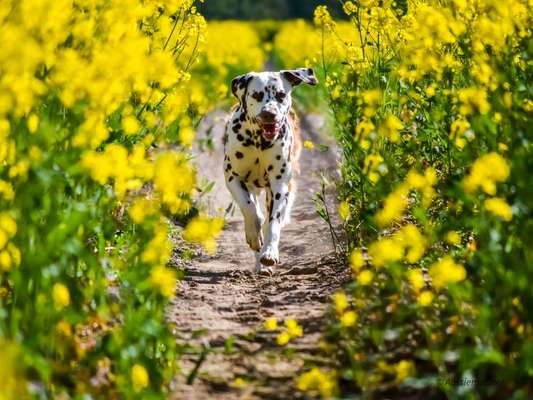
[(262, 146)]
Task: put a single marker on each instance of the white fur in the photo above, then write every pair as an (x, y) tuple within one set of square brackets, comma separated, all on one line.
[(255, 161)]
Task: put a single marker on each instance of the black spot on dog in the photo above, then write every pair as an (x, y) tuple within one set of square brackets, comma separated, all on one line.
[(234, 173), (258, 96), (284, 165), (270, 168), (247, 143), (239, 155), (257, 184), (278, 157), (243, 186), (278, 215), (282, 171), (247, 176), (278, 195), (266, 145), (230, 179), (242, 117), (240, 138), (249, 132), (257, 160), (278, 177)]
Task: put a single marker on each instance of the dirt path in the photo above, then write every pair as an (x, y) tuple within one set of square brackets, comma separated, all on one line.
[(222, 304)]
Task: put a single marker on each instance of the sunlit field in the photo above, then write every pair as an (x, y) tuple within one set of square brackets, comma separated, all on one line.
[(427, 110)]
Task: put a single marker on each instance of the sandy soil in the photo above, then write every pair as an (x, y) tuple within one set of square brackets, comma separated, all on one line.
[(221, 303)]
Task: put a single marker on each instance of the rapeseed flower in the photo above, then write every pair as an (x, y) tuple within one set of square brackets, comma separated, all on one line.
[(499, 207), (60, 295), (446, 271), (139, 377)]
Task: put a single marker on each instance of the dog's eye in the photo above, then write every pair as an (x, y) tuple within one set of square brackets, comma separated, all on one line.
[(280, 96), (258, 96)]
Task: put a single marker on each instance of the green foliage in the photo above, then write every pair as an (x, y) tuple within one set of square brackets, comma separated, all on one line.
[(407, 162)]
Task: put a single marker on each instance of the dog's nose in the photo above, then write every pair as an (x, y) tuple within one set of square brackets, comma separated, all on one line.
[(266, 115)]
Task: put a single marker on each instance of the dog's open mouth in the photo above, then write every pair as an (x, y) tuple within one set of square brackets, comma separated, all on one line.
[(270, 130)]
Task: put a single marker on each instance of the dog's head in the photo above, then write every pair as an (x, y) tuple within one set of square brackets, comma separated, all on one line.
[(266, 96)]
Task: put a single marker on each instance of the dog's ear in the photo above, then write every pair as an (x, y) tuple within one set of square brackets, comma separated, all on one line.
[(297, 76), (239, 84)]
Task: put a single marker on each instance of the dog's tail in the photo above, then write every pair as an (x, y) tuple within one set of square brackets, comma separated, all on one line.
[(296, 147)]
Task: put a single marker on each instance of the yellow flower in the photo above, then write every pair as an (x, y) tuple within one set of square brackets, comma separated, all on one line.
[(203, 230), (365, 277), (341, 301), (390, 128), (140, 209), (159, 249), (309, 145), (486, 171), (357, 260), (413, 242), (164, 279), (473, 99), (403, 370), (446, 271), (459, 130), (283, 338), (15, 254), (453, 237), (384, 251), (60, 295), (8, 224), (130, 125), (416, 278), (186, 136), (344, 210), (139, 378), (349, 7), (271, 324), (317, 381), (425, 298), (33, 123), (394, 207), (293, 329), (363, 129), (239, 382), (322, 16), (5, 260), (348, 319), (499, 207), (371, 101)]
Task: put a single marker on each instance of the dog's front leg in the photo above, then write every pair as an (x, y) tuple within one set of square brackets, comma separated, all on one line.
[(269, 254), (249, 209)]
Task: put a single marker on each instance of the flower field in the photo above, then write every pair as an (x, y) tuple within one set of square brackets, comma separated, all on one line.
[(430, 103)]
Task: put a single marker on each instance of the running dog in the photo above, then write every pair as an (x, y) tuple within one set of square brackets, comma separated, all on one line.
[(262, 145)]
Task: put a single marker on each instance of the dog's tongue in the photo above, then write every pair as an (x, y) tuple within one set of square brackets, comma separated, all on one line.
[(269, 130)]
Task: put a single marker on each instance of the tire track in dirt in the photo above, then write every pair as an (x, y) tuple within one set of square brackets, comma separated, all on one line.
[(222, 294)]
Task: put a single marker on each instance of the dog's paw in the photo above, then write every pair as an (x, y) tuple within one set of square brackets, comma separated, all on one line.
[(264, 270), (269, 256)]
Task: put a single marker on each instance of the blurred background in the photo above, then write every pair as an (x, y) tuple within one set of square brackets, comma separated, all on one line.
[(266, 9)]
